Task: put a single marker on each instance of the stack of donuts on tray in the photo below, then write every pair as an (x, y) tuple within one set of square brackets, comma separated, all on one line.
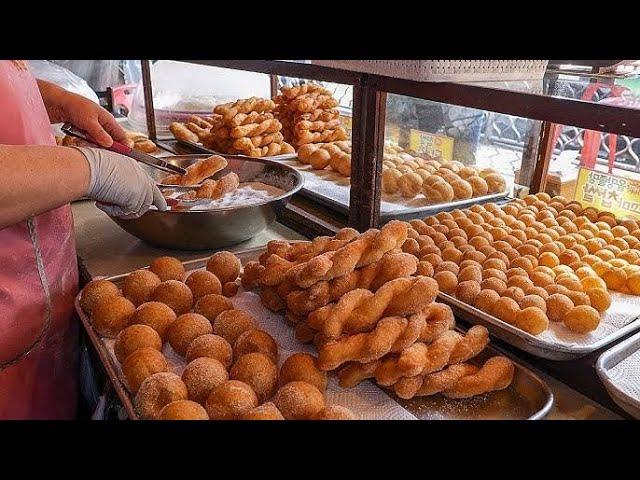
[(532, 261), (356, 297), (245, 127), (231, 370)]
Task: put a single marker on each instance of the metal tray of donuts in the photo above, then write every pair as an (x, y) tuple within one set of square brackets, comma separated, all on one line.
[(619, 371), (546, 347), (528, 397)]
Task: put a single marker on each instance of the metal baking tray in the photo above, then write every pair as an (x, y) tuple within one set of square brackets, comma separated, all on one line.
[(528, 397), (535, 345), (333, 190), (619, 371), (201, 148)]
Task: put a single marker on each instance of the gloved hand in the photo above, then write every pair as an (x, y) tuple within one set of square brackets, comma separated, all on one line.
[(120, 185)]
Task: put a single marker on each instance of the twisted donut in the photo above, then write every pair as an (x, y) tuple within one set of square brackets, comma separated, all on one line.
[(391, 334), (253, 104), (359, 310), (368, 248)]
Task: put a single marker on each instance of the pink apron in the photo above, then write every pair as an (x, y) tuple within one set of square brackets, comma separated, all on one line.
[(38, 279)]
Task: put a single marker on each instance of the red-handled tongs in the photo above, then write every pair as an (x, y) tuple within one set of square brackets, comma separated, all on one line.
[(122, 149)]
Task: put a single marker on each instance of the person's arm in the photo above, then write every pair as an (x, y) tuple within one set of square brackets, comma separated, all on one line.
[(35, 179), (64, 106)]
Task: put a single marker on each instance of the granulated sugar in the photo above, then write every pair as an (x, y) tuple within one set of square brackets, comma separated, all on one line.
[(249, 193)]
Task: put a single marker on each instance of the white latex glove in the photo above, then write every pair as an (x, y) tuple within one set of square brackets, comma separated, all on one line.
[(119, 185)]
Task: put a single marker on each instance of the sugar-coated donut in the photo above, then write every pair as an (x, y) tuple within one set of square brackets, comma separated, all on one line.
[(230, 324), (258, 371), (599, 299), (158, 390), (582, 319), (111, 315), (95, 292), (532, 320), (168, 268), (212, 305), (447, 281), (254, 340), (133, 338), (266, 411), (140, 365), (186, 329), (201, 376), (467, 291), (485, 300), (224, 265), (230, 401), (335, 412), (175, 294), (303, 367), (203, 282), (230, 289), (210, 346), (139, 285), (183, 410), (156, 315), (506, 309), (299, 400)]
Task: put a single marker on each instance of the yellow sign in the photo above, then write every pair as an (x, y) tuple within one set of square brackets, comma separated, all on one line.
[(431, 144), (618, 195)]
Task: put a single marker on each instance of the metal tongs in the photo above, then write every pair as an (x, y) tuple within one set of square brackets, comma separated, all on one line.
[(122, 149)]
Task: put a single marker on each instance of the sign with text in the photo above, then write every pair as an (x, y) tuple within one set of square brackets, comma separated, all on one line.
[(603, 191), (431, 144)]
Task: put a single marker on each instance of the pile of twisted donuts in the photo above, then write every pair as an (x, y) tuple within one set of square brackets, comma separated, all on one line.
[(245, 127), (356, 297), (308, 115), (532, 261), (438, 181), (232, 366)]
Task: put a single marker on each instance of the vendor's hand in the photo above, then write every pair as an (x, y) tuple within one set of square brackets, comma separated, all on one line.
[(120, 185), (84, 114)]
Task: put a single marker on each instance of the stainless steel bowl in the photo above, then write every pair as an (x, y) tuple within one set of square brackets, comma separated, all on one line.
[(196, 229)]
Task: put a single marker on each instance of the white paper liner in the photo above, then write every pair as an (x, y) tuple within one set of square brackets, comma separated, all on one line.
[(624, 309), (626, 375)]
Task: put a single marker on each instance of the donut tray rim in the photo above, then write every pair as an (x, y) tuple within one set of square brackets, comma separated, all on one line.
[(544, 392), (609, 359), (531, 343)]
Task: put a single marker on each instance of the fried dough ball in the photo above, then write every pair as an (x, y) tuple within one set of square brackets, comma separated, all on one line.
[(633, 282), (523, 263), (615, 278), (470, 273), (230, 324), (478, 185), (258, 371), (183, 410), (495, 183), (111, 315), (210, 346), (303, 367), (157, 391), (230, 289), (486, 300), (175, 294), (203, 282), (521, 282), (599, 299), (438, 192), (447, 281), (548, 259), (254, 340), (425, 269), (462, 189), (506, 309), (532, 320), (140, 365), (494, 273), (224, 265), (139, 285), (186, 329), (335, 412), (582, 319), (540, 278), (452, 254), (495, 284), (533, 301), (212, 305), (266, 411), (168, 268), (299, 400), (155, 315), (593, 282), (514, 292), (95, 292), (578, 298), (495, 263), (133, 338), (448, 266), (466, 291), (201, 376), (230, 401), (558, 305)]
